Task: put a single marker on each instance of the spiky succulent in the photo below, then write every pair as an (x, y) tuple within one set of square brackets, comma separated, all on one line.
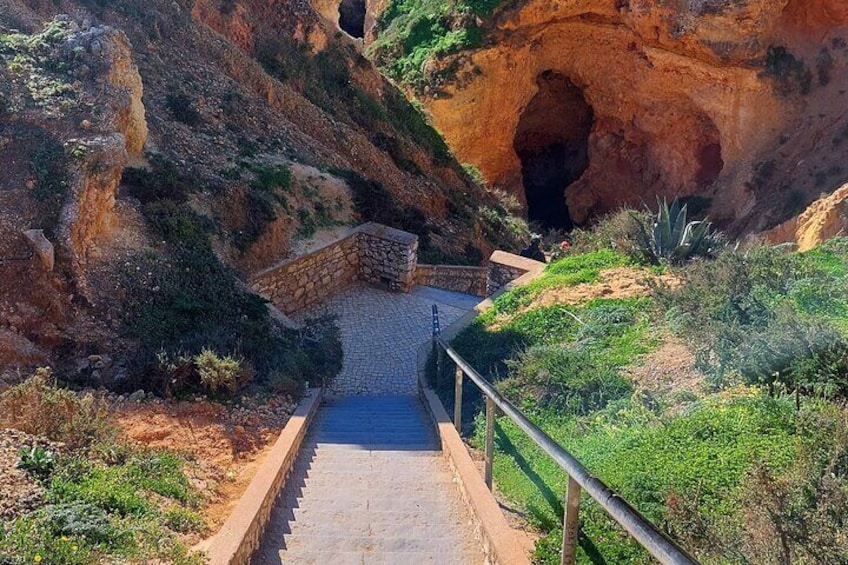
[(673, 239)]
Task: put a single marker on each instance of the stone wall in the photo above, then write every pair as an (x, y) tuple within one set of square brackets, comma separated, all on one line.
[(301, 282), (373, 253), (242, 533), (466, 280), (387, 256), (506, 267)]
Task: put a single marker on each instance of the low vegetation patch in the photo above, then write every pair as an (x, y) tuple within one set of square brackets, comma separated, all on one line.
[(413, 33), (737, 473), (764, 316), (193, 320), (36, 63), (106, 501), (568, 271)]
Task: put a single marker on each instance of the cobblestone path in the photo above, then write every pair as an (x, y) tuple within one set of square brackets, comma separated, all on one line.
[(381, 333)]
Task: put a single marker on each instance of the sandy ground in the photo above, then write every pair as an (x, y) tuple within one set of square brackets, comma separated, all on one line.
[(228, 444), (619, 282)]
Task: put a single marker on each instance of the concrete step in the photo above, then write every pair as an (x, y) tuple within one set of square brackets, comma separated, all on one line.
[(443, 545), (341, 481), (371, 486), (371, 558), (354, 527), (397, 516)]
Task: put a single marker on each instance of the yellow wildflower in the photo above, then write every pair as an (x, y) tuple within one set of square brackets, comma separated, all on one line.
[(37, 558)]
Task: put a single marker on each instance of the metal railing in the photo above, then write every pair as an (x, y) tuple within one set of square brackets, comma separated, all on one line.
[(656, 542)]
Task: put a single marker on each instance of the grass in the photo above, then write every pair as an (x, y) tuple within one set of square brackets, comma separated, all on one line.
[(702, 455), (97, 511), (737, 475), (567, 272), (104, 501), (414, 32)]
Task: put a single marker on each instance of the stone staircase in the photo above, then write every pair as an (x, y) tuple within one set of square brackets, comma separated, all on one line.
[(370, 487)]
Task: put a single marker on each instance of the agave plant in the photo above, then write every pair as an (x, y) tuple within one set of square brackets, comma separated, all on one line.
[(672, 239)]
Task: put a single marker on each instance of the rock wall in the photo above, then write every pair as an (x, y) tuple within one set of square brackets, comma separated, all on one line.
[(465, 280), (299, 283), (373, 253), (94, 184), (505, 268), (387, 257), (824, 219)]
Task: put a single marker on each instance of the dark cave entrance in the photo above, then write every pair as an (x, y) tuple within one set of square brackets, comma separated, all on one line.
[(352, 17), (552, 141)]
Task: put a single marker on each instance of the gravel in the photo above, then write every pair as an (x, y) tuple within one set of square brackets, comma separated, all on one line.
[(19, 492)]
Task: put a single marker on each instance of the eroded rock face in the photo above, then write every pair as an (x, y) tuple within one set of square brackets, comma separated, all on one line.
[(687, 99), (94, 183), (104, 54), (824, 219)]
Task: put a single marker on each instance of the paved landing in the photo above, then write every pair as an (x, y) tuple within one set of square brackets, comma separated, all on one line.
[(370, 487), (381, 332)]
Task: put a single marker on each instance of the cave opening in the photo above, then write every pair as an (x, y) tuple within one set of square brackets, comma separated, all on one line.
[(552, 142), (352, 17)]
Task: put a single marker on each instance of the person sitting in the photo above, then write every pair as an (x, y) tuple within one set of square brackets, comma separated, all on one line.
[(534, 250)]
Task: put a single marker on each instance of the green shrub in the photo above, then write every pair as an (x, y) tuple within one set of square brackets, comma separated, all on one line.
[(206, 372), (162, 181), (218, 373), (38, 407), (412, 33), (273, 179), (766, 316), (37, 461), (620, 231), (79, 520), (183, 110), (798, 514), (183, 520)]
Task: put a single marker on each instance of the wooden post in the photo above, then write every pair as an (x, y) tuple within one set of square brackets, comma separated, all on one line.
[(457, 399), (491, 412), (440, 362), (571, 523)]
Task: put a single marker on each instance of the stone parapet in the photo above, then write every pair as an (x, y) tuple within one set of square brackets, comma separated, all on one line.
[(301, 282), (372, 252), (240, 535), (505, 268), (387, 256), (465, 280)]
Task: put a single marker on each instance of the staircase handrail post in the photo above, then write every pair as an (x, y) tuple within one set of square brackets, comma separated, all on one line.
[(491, 414), (457, 399), (656, 542), (571, 523)]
